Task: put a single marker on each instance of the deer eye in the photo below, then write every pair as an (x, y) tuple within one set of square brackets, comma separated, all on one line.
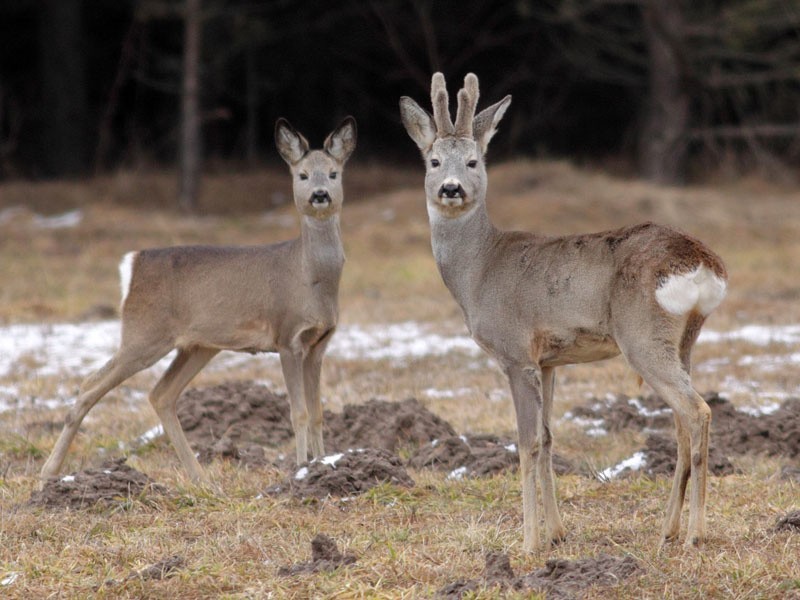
[(303, 176), (472, 164), (333, 175), (435, 163)]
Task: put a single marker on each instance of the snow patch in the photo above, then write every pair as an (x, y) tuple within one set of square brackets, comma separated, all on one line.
[(332, 459), (634, 463), (65, 220), (457, 474)]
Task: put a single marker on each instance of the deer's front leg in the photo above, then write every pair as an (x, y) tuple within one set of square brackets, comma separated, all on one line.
[(526, 390), (554, 529), (312, 369), (292, 366)]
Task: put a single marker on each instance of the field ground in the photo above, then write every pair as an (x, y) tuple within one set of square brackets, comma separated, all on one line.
[(409, 542)]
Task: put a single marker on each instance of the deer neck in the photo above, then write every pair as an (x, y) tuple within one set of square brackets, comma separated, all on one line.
[(321, 249), (462, 247)]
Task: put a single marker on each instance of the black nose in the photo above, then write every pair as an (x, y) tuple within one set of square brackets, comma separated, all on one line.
[(451, 190), (320, 196)]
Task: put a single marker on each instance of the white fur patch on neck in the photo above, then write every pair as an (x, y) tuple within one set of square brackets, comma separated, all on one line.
[(700, 289), (125, 274)]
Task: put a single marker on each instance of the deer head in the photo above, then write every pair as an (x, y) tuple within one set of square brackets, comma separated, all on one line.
[(455, 177), (317, 174)]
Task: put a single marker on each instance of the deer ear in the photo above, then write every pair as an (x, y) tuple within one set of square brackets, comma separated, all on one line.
[(342, 141), (485, 124), (291, 144), (418, 123)]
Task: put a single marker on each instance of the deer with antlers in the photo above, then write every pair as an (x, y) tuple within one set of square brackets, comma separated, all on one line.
[(535, 302), (203, 299)]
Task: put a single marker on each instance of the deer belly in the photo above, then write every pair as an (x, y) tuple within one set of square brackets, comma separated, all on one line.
[(580, 348), (250, 336)]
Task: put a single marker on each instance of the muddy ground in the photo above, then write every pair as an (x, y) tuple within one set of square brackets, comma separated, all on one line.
[(345, 474), (559, 579), (325, 556), (232, 420), (246, 422), (113, 482), (733, 432)]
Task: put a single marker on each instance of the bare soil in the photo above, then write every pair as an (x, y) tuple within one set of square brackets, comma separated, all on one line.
[(112, 483), (227, 420), (325, 556), (789, 522), (246, 422), (351, 473), (392, 426), (162, 569), (733, 432), (235, 420), (477, 456), (560, 578)]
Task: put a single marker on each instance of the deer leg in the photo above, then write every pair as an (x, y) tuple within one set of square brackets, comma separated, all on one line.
[(526, 392), (292, 366), (312, 369), (664, 370), (672, 523), (164, 399), (699, 425), (695, 417), (554, 529), (125, 363)]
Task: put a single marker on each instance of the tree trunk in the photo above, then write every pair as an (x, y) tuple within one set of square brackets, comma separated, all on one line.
[(251, 84), (64, 149), (663, 144), (190, 143)]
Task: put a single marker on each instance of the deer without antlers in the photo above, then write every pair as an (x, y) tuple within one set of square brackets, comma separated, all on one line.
[(202, 299), (536, 302)]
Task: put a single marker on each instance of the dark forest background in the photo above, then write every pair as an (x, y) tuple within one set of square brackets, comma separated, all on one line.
[(671, 88)]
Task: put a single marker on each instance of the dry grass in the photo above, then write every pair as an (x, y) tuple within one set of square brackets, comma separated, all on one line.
[(409, 542)]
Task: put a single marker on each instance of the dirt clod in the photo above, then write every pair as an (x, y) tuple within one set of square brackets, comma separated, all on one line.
[(476, 456), (661, 452), (790, 473), (325, 556), (622, 412), (235, 420), (559, 578), (113, 482), (381, 424), (157, 571), (733, 432), (348, 473), (789, 522)]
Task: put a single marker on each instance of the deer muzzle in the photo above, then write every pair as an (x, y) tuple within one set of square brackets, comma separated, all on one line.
[(451, 194), (320, 198)]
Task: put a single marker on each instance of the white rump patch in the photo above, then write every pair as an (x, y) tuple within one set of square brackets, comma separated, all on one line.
[(125, 274), (700, 289)]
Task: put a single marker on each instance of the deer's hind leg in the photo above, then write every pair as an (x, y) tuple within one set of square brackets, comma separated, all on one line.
[(657, 356), (164, 398), (129, 360)]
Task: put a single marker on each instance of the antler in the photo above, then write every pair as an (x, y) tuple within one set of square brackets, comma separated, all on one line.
[(441, 109), (467, 102)]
